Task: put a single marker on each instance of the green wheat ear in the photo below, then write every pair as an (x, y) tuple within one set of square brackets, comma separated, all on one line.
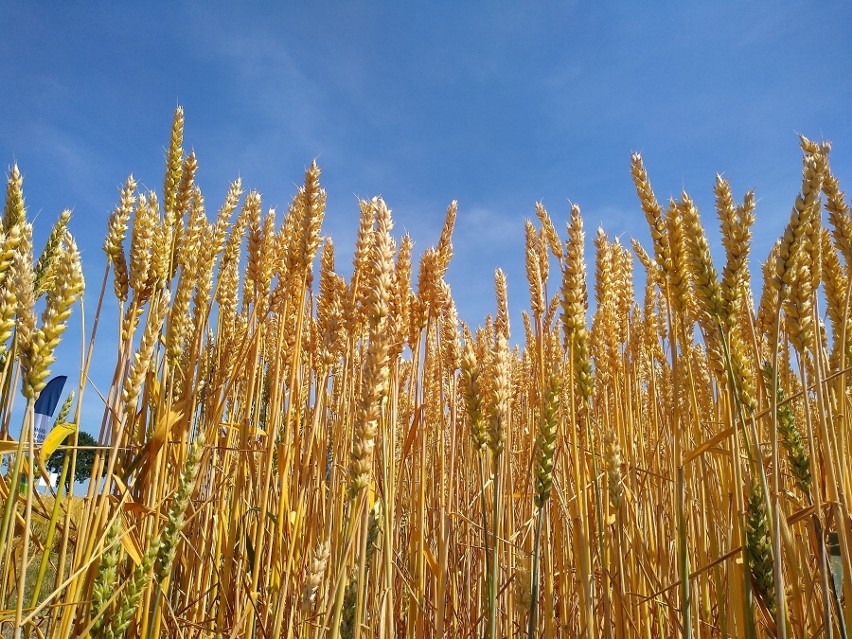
[(44, 268), (170, 535), (133, 595), (105, 581), (161, 551), (759, 545), (350, 601), (791, 439), (547, 441)]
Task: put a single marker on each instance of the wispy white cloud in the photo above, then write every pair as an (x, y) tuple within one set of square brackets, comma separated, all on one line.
[(484, 227)]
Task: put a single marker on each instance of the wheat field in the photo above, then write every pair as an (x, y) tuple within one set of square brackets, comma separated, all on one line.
[(288, 453)]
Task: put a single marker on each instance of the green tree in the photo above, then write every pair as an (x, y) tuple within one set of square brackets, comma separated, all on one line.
[(85, 460)]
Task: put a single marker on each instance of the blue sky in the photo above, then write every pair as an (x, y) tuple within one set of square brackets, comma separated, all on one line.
[(497, 105)]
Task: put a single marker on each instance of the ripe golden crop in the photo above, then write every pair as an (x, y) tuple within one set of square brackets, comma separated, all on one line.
[(286, 454)]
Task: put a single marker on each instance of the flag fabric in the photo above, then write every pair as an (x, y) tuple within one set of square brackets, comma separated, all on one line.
[(46, 403)]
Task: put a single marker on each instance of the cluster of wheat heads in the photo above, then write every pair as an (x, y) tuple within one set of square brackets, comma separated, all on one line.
[(302, 456)]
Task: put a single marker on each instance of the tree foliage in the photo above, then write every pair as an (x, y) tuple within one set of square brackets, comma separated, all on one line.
[(85, 460)]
